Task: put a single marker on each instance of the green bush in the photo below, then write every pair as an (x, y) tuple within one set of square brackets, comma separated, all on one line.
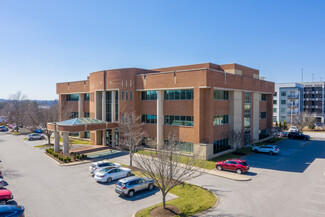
[(55, 155)]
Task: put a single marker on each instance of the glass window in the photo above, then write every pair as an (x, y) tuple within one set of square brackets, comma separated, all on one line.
[(263, 97), (86, 97), (275, 94), (86, 114), (262, 115), (130, 95), (178, 94), (126, 95), (220, 95), (220, 120), (72, 97), (149, 119), (178, 120), (220, 145), (283, 102), (147, 95), (275, 102), (275, 110), (122, 96), (283, 93)]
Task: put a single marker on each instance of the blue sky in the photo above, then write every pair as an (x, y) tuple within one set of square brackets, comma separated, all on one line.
[(45, 42)]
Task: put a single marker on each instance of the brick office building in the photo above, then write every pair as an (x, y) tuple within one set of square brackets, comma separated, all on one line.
[(202, 103)]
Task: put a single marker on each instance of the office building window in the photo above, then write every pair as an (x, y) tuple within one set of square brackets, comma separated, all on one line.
[(72, 97), (86, 114), (122, 95), (275, 110), (220, 95), (275, 94), (86, 97), (283, 93), (283, 102), (149, 119), (126, 95), (263, 97), (148, 95), (220, 145), (116, 106), (274, 118), (130, 95), (109, 106), (275, 102), (262, 115), (283, 110), (182, 146), (178, 94), (220, 120), (179, 120), (74, 115), (247, 111)]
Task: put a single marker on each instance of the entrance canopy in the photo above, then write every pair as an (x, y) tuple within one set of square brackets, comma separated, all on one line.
[(80, 125)]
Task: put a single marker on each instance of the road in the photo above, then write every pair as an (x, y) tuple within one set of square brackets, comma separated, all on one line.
[(289, 184), (47, 189)]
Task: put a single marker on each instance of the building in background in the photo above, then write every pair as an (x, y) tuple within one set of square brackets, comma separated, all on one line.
[(202, 103), (291, 98)]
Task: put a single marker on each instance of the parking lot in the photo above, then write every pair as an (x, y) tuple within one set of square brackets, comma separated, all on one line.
[(47, 189)]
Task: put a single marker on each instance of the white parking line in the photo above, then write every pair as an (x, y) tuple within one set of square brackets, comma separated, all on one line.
[(309, 210)]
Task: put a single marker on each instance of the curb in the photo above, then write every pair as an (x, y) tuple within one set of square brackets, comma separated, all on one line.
[(243, 177), (68, 164), (213, 207)]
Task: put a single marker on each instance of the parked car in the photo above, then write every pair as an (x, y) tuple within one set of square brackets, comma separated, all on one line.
[(2, 184), (12, 210), (293, 129), (5, 195), (284, 134), (271, 149), (3, 129), (101, 165), (1, 175), (129, 186), (35, 136), (319, 126), (108, 175), (38, 131), (238, 165), (298, 135)]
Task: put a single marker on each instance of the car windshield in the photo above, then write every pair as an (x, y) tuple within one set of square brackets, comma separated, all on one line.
[(244, 163), (121, 184)]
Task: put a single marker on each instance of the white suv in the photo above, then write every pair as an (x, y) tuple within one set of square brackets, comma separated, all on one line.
[(97, 166), (271, 149), (34, 136), (293, 129)]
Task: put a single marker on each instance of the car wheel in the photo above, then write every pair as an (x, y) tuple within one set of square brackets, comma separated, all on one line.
[(239, 171), (128, 174), (31, 139), (219, 168), (271, 153), (42, 137), (255, 150), (3, 202), (109, 179), (131, 193), (150, 187)]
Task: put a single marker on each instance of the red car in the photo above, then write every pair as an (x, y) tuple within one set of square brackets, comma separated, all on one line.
[(238, 165), (5, 195)]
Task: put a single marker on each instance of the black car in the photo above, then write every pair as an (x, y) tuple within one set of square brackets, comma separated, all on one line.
[(298, 135), (12, 210)]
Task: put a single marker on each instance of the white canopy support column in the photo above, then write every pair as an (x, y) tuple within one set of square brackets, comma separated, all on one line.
[(65, 143), (56, 141), (160, 119)]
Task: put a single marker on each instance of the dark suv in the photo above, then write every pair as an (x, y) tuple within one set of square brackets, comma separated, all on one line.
[(298, 135)]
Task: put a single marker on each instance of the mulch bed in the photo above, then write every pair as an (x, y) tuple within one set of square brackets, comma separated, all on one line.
[(168, 212)]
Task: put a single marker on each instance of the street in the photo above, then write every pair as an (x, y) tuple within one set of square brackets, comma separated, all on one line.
[(47, 189), (289, 184)]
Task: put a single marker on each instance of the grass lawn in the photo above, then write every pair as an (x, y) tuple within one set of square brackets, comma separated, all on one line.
[(191, 200), (74, 141), (211, 164)]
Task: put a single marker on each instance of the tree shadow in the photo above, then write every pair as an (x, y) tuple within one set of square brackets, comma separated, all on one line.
[(141, 195)]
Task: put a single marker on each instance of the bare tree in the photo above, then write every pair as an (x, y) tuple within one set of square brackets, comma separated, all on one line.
[(168, 167), (236, 139), (131, 133), (17, 112), (40, 116), (304, 119)]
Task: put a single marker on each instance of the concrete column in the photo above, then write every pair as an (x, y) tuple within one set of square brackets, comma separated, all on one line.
[(160, 119), (56, 141), (98, 103), (81, 112), (256, 116), (104, 138), (65, 143), (113, 106), (104, 105), (236, 111), (113, 138)]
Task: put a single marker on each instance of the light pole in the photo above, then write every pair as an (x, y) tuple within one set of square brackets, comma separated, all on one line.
[(291, 113)]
